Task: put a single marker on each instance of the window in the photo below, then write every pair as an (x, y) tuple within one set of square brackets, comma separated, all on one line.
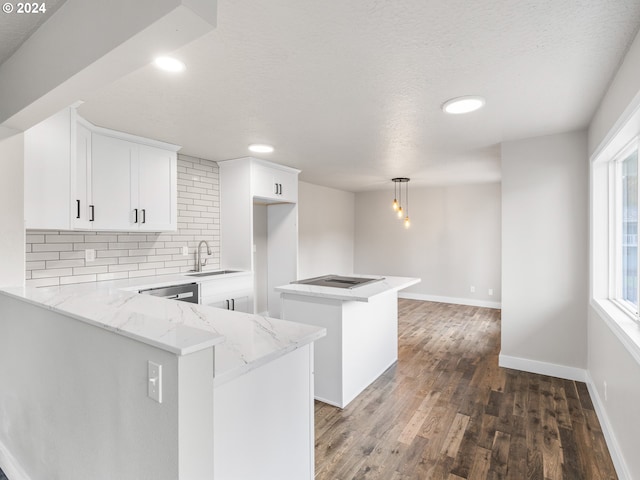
[(625, 239)]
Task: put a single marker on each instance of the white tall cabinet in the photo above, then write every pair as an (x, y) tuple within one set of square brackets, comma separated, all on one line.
[(246, 182)]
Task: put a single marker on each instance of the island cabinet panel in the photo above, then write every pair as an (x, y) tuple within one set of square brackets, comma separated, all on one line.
[(263, 421), (361, 342), (82, 177)]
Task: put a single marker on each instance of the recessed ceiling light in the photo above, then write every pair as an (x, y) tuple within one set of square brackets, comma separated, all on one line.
[(260, 148), (169, 64), (469, 103)]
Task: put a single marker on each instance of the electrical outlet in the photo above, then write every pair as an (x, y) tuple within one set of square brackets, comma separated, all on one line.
[(185, 250), (605, 391), (472, 289), (154, 381), (491, 291), (90, 255)]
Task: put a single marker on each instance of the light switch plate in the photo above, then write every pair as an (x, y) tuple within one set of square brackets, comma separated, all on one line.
[(185, 250), (154, 381), (90, 255)]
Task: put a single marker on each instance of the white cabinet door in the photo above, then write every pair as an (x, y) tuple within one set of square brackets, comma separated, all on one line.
[(287, 184), (237, 304), (81, 179), (274, 185), (47, 149), (111, 164), (154, 192)]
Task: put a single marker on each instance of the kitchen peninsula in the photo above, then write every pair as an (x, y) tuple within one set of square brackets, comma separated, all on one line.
[(362, 329), (221, 371)]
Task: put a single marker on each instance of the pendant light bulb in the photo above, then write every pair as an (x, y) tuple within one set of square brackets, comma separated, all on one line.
[(395, 205), (407, 223), (399, 212)]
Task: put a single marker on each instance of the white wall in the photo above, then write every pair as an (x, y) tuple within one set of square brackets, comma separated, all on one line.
[(453, 242), (544, 254), (74, 404), (12, 211), (325, 231), (623, 94), (610, 359)]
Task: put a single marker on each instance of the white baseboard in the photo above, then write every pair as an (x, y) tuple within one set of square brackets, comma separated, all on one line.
[(543, 368), (607, 430), (9, 465), (456, 301)]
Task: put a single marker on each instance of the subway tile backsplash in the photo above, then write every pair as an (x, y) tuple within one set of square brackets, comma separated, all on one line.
[(57, 258)]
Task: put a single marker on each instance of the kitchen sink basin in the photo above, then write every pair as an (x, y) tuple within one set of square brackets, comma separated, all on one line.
[(208, 274), (338, 281)]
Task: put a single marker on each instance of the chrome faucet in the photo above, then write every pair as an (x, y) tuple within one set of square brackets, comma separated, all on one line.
[(199, 262)]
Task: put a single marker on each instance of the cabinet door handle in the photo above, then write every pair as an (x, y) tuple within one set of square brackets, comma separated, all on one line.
[(227, 304), (144, 215), (93, 213), (280, 188), (135, 215), (233, 304), (276, 185), (77, 208)]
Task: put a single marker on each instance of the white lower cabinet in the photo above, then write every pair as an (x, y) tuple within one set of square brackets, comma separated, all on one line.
[(236, 304), (233, 292)]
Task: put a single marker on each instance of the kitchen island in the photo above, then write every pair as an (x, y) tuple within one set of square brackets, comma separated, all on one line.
[(362, 331), (235, 387)]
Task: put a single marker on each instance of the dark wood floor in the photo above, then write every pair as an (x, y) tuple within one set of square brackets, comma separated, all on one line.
[(447, 411)]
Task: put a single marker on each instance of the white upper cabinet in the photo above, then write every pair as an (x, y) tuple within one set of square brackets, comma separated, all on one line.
[(111, 164), (274, 183), (154, 193), (82, 177), (47, 172)]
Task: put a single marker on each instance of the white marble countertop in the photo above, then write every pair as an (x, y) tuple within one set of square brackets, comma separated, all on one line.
[(242, 341), (358, 294), (156, 281)]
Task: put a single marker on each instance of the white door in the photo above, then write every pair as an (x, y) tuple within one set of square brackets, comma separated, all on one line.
[(81, 180), (111, 163), (156, 189)]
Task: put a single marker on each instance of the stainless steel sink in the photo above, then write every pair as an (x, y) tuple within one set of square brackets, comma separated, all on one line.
[(208, 274), (338, 281)]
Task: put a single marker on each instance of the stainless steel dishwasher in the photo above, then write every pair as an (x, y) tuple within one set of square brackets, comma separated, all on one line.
[(188, 292)]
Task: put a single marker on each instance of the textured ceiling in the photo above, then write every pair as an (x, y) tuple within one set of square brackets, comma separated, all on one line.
[(350, 92), (16, 27)]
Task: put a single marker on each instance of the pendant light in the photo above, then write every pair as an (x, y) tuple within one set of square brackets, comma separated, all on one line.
[(397, 205)]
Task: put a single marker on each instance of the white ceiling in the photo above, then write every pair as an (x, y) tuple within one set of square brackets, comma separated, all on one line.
[(16, 27), (350, 91)]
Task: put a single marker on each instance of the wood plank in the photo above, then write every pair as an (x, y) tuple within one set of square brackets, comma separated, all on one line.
[(454, 437)]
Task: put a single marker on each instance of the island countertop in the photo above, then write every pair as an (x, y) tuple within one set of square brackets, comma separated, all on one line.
[(242, 341), (358, 294)]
